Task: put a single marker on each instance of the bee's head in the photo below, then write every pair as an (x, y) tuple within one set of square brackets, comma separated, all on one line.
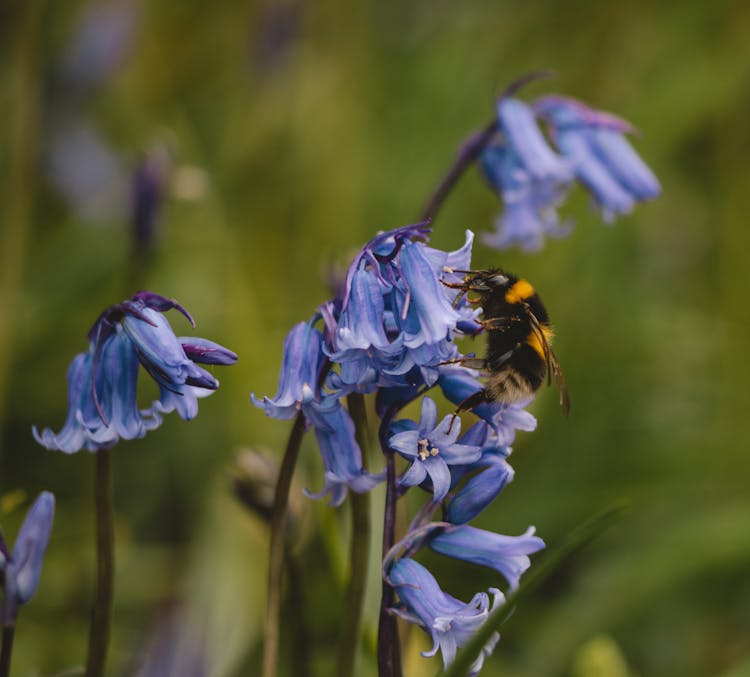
[(490, 280)]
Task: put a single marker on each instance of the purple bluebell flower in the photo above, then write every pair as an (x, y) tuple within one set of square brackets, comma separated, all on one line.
[(594, 142), (432, 448), (529, 203), (102, 382), (300, 370), (531, 178), (506, 554), (522, 134), (395, 315), (22, 568), (342, 457), (449, 622)]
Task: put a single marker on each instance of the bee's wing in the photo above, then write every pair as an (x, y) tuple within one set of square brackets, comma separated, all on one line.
[(554, 372)]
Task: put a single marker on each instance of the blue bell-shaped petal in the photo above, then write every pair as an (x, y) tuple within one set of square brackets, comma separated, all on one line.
[(506, 554), (300, 371)]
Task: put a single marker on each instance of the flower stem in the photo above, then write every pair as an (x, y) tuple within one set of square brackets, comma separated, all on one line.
[(389, 648), (276, 547), (469, 151), (101, 617), (6, 650), (360, 549), (472, 148)]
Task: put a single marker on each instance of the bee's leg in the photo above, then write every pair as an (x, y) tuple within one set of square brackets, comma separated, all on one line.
[(474, 400), (468, 362)]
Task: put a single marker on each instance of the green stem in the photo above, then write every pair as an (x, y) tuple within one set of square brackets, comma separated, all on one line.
[(276, 548), (360, 549), (6, 650), (101, 618)]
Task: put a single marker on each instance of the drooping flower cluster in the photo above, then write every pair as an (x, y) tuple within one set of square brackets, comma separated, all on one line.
[(533, 178), (102, 382), (21, 568), (391, 331)]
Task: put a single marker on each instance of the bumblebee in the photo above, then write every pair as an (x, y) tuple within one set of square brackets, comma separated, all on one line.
[(519, 354)]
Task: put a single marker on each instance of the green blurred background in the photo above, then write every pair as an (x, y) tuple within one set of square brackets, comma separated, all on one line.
[(295, 130)]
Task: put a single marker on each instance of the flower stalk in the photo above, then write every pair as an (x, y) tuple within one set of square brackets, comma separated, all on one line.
[(360, 549), (7, 649), (101, 618), (389, 647), (276, 548)]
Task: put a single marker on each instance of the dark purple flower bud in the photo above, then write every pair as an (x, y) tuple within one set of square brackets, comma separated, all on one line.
[(506, 554), (23, 567), (449, 622), (149, 180), (205, 351)]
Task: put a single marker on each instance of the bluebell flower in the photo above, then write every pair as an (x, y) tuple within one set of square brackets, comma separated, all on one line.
[(506, 554), (432, 448), (594, 142), (529, 204), (300, 370), (531, 178), (342, 457), (22, 568), (102, 382), (449, 622), (396, 315)]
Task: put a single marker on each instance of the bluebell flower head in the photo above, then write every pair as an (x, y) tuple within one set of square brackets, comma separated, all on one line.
[(604, 161), (22, 568), (433, 448), (396, 316), (300, 370), (506, 554), (449, 622), (102, 382), (342, 457)]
